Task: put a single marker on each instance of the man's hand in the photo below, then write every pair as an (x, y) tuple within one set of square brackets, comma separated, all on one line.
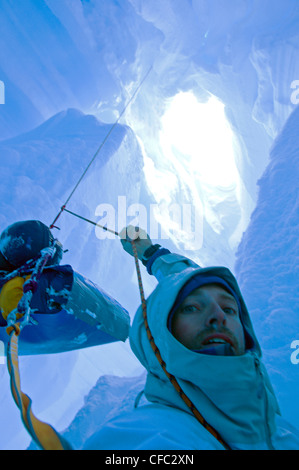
[(140, 237)]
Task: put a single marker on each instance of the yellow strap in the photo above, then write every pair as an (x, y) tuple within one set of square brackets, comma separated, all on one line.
[(10, 295), (42, 433)]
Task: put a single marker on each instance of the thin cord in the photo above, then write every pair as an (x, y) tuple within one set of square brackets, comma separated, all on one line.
[(91, 222), (100, 147)]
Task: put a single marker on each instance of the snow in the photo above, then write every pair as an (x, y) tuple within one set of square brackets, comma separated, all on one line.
[(68, 69), (272, 242)]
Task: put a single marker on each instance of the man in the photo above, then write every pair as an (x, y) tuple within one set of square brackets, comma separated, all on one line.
[(206, 386)]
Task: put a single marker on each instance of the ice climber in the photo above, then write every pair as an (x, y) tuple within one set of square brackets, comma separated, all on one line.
[(202, 328)]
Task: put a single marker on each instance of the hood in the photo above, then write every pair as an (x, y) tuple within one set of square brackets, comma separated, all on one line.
[(234, 394), (161, 301)]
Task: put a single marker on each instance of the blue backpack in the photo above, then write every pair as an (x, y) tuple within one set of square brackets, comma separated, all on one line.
[(67, 310)]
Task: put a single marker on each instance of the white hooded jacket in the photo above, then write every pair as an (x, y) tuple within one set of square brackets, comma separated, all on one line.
[(233, 393)]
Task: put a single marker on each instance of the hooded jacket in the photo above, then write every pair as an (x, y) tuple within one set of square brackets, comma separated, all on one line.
[(233, 393)]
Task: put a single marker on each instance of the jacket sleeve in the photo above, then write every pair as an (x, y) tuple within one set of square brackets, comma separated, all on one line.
[(169, 264)]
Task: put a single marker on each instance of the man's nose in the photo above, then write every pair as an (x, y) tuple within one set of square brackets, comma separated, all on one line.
[(215, 316)]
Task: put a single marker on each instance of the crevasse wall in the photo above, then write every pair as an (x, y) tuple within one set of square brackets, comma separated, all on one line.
[(89, 56)]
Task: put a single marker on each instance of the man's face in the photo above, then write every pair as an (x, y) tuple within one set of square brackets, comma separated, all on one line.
[(209, 317)]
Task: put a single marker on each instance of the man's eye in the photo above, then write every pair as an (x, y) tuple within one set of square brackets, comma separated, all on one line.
[(230, 310), (190, 309)]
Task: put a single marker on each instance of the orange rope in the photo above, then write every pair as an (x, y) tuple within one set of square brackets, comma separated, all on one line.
[(171, 377), (42, 433)]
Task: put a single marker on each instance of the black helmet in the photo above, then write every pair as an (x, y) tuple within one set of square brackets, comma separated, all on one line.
[(23, 241)]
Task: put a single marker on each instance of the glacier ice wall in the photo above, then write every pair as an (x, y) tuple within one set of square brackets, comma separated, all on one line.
[(267, 265), (69, 68)]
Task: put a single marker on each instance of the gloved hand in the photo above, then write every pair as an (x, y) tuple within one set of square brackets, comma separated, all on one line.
[(140, 237)]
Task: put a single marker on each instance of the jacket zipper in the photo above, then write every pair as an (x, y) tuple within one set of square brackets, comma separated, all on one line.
[(262, 392)]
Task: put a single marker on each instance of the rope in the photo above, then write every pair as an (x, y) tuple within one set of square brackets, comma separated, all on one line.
[(29, 287), (91, 222), (46, 436), (21, 271), (42, 433), (157, 353), (100, 147), (171, 377)]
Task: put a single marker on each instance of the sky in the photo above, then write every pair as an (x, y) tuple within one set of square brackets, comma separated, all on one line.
[(204, 158)]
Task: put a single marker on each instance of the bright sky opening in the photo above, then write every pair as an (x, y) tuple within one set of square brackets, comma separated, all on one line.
[(199, 136)]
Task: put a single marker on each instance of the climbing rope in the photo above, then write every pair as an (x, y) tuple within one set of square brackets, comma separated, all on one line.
[(42, 433), (92, 222), (171, 377), (63, 207)]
